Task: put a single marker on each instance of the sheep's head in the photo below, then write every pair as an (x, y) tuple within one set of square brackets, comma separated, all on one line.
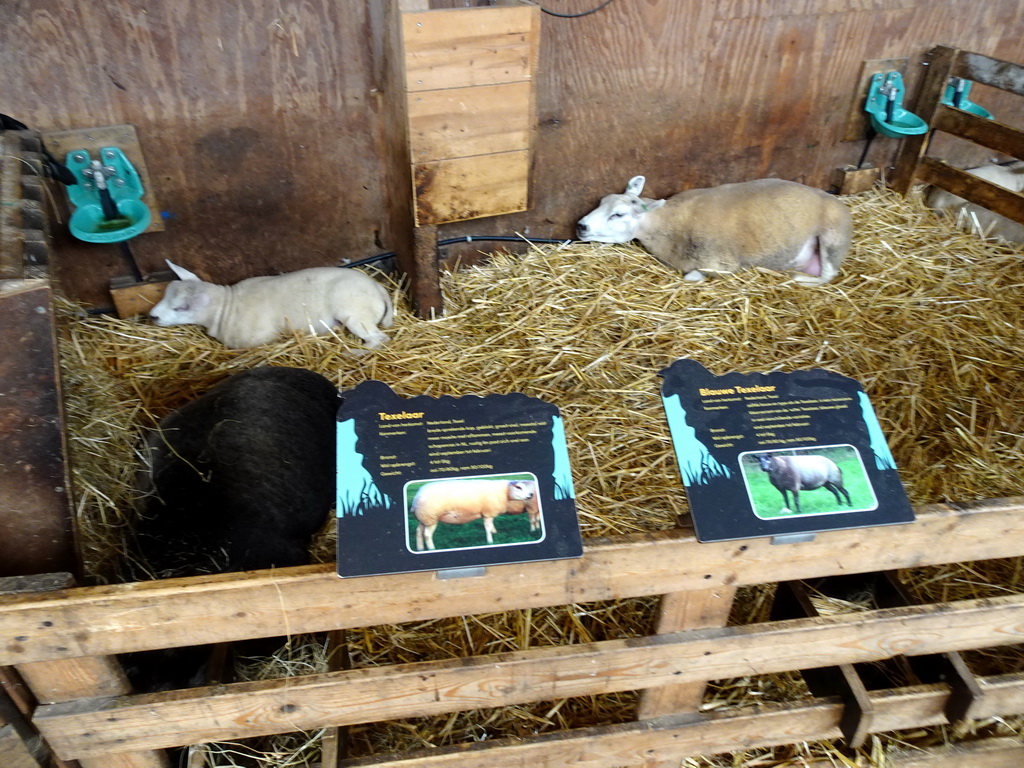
[(184, 302), (618, 217)]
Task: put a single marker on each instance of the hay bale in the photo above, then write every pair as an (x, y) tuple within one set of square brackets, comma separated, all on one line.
[(925, 316)]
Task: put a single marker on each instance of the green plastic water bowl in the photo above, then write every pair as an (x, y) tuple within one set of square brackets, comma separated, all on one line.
[(89, 224), (903, 123), (885, 97), (949, 99), (125, 187)]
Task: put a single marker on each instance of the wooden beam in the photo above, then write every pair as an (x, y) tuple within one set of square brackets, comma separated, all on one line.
[(988, 133), (67, 679), (697, 609), (674, 738), (94, 727), (988, 753), (119, 618), (423, 281), (988, 71), (940, 62), (980, 191)]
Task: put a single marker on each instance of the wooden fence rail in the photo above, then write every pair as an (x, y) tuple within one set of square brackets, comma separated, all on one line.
[(913, 165), (98, 621), (62, 641)]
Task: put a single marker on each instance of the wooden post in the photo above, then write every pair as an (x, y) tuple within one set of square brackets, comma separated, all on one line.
[(333, 745), (940, 62), (699, 609)]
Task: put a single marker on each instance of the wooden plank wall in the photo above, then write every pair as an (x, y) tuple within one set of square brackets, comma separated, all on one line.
[(264, 123)]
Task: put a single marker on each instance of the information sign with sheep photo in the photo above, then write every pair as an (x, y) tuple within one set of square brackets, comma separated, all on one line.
[(779, 454), (450, 483)]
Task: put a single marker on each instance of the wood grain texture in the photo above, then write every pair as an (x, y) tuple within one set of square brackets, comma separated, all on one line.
[(477, 120), (992, 196), (251, 115), (153, 721), (138, 299), (471, 187), (697, 609), (673, 738), (453, 48), (99, 621), (989, 133)]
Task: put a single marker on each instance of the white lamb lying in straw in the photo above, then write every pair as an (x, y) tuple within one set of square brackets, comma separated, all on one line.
[(768, 223), (981, 221), (258, 310)]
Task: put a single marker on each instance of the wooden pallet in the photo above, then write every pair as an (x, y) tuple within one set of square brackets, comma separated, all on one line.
[(61, 643)]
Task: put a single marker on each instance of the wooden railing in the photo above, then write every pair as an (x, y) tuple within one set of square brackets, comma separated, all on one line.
[(62, 644)]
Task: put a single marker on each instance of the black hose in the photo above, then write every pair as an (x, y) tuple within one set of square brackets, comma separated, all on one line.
[(595, 9)]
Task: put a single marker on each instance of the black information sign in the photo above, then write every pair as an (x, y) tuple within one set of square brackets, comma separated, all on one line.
[(779, 453), (447, 483)]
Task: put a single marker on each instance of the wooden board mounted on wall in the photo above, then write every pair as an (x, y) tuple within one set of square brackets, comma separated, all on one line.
[(470, 105)]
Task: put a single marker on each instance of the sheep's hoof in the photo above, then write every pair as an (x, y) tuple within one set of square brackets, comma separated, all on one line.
[(785, 511), (694, 276), (808, 280)]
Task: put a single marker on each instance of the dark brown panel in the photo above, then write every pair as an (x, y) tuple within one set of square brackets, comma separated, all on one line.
[(35, 514)]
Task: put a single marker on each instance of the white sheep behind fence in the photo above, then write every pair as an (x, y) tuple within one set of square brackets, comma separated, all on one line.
[(258, 310)]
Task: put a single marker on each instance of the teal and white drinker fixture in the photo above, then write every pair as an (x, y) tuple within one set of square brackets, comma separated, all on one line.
[(884, 105), (108, 197)]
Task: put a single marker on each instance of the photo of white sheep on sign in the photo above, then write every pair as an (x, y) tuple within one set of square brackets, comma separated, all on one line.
[(770, 223), (466, 505), (258, 310), (799, 476)]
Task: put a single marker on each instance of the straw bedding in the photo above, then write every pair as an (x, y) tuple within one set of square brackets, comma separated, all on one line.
[(926, 317)]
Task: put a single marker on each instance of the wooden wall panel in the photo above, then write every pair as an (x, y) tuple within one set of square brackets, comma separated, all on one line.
[(264, 124), (258, 123), (454, 123)]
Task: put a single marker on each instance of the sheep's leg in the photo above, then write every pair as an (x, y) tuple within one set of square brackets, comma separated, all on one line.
[(428, 535), (534, 522), (368, 332), (835, 492), (419, 537), (796, 500), (785, 500), (489, 529)]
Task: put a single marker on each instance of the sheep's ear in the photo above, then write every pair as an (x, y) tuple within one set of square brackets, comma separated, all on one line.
[(642, 206), (636, 185), (181, 272)]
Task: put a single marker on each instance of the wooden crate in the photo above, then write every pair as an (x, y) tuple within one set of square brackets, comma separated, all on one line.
[(913, 164), (61, 642)]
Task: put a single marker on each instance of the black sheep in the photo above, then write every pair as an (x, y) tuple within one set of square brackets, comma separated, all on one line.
[(238, 479)]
